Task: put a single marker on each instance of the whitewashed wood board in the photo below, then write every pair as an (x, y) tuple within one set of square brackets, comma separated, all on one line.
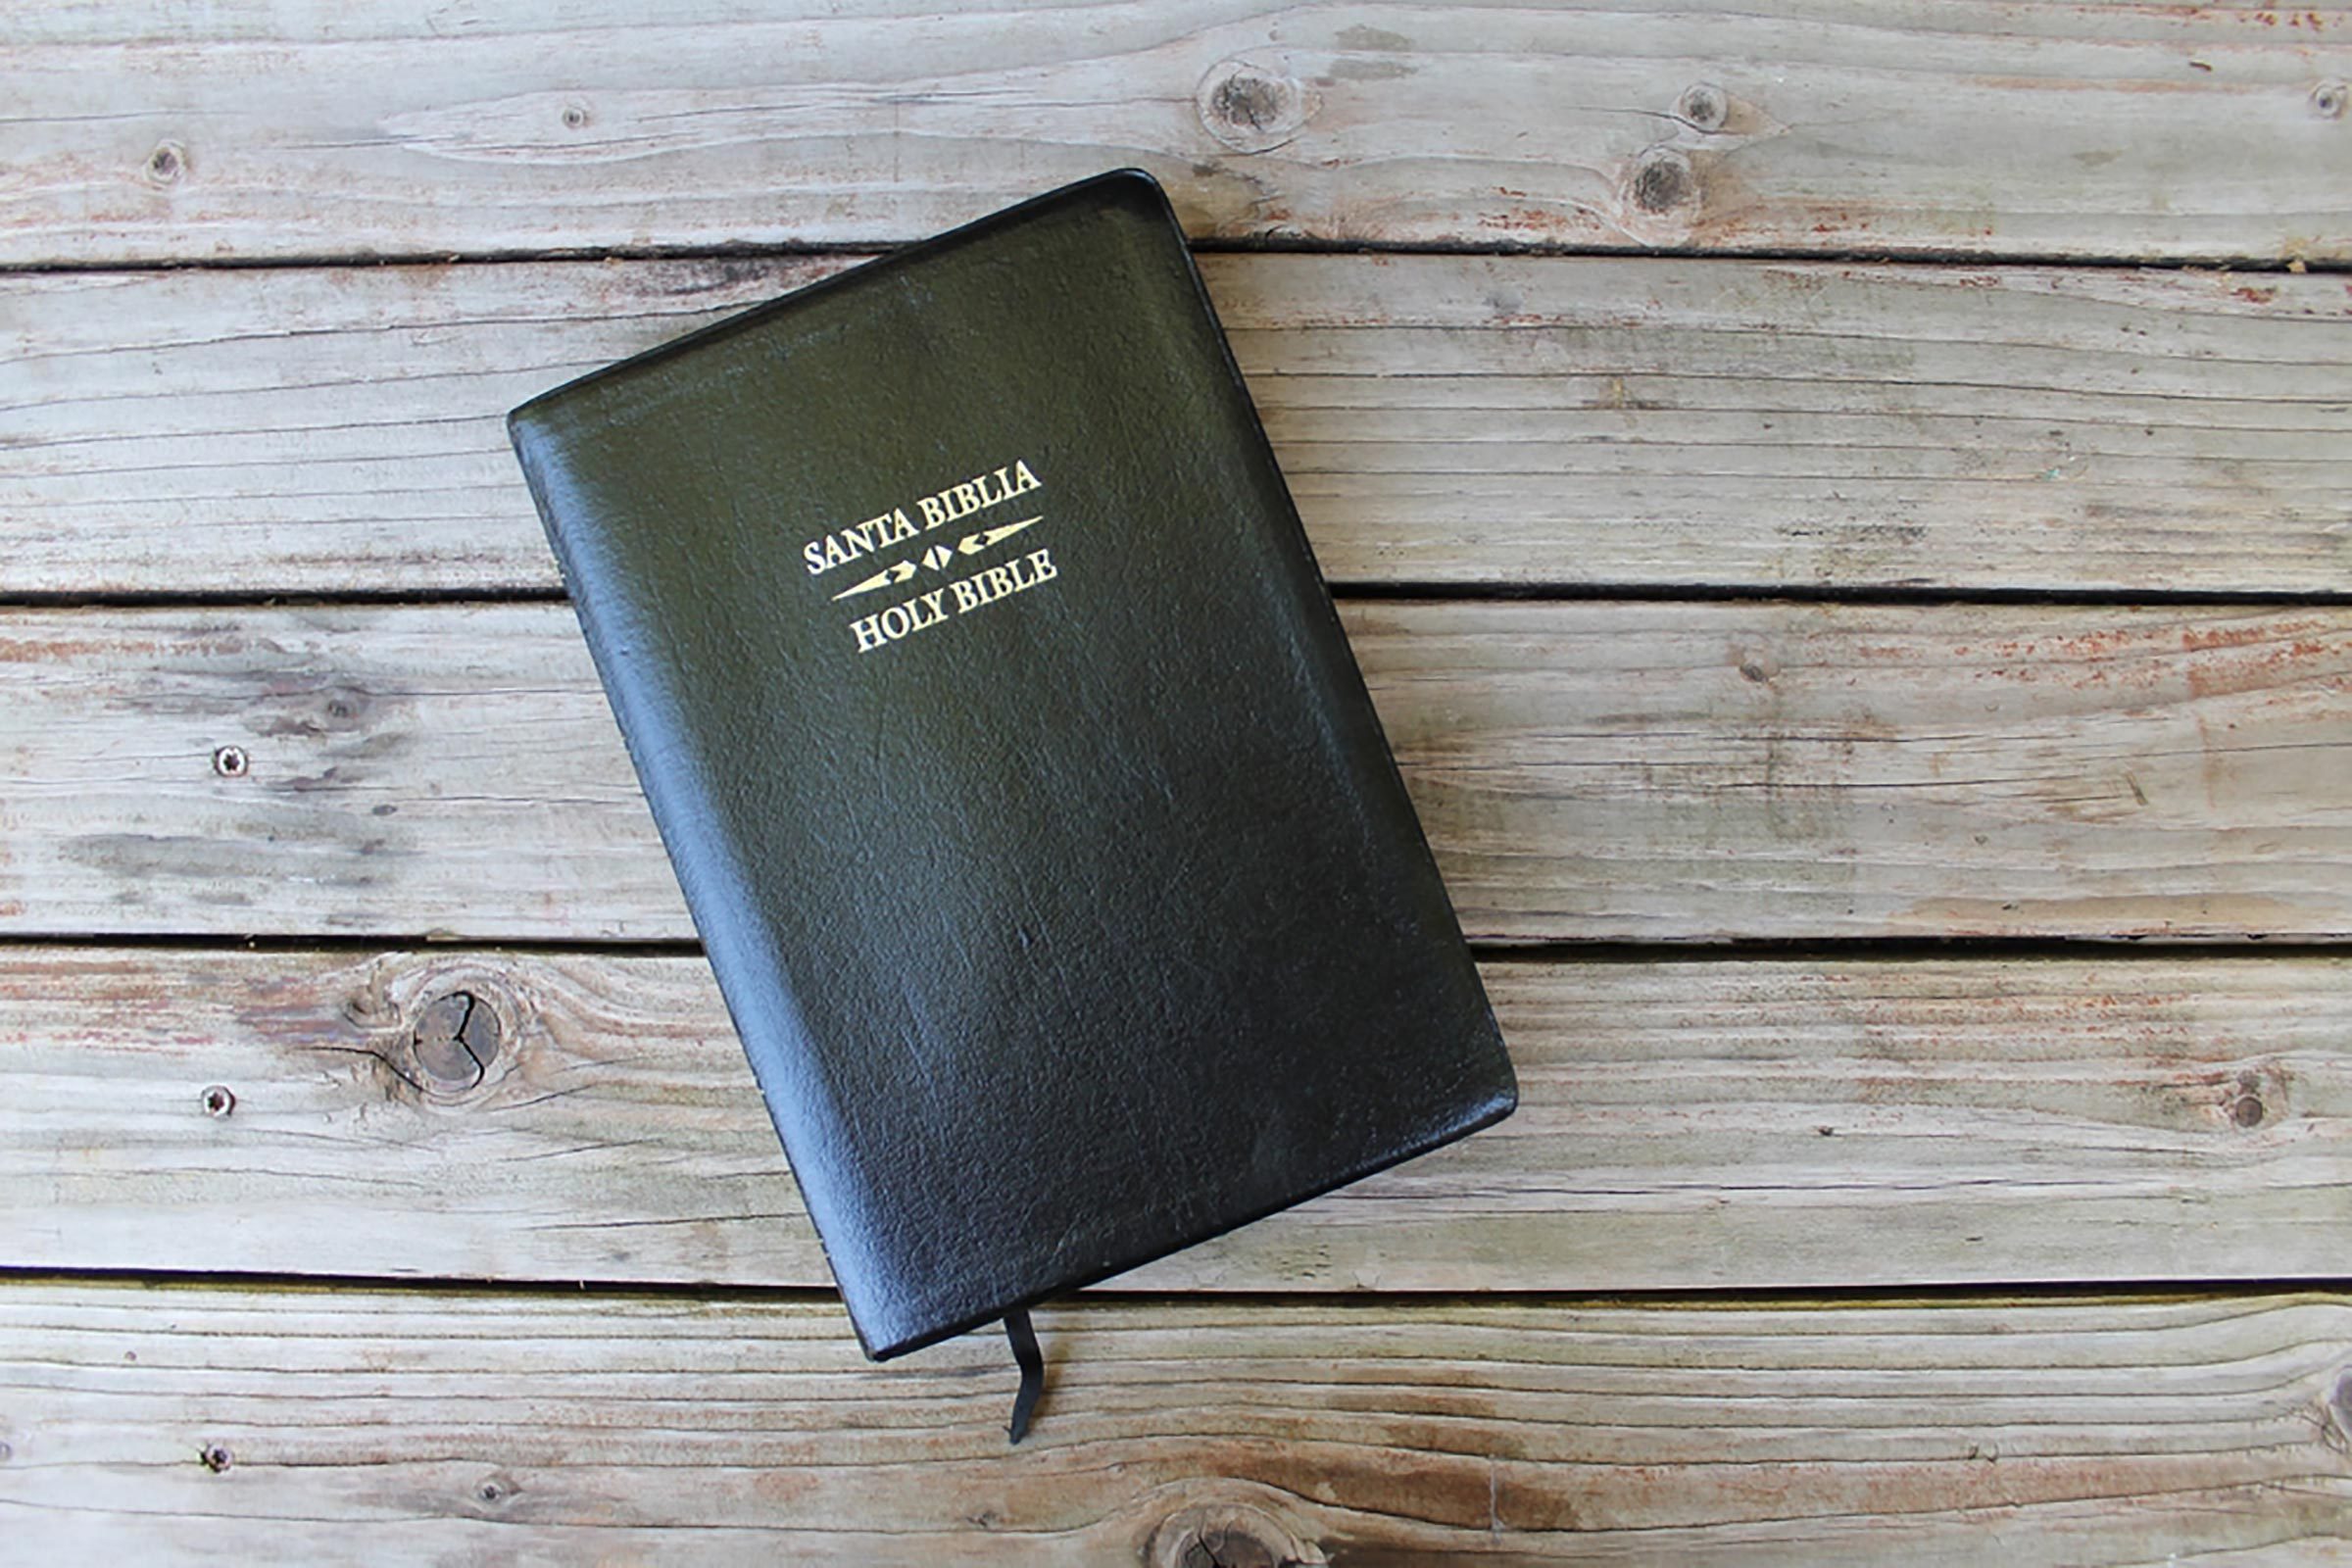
[(1443, 420), (168, 1424), (1677, 773), (326, 131), (1682, 1124), (1737, 404)]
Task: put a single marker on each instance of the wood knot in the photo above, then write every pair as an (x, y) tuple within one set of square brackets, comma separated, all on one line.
[(1664, 181), (1228, 1534), (316, 712), (2329, 98), (2338, 1431), (167, 163), (1703, 106), (456, 1039), (1251, 108)]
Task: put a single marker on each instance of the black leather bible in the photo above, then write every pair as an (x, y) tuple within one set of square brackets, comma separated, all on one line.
[(1022, 785)]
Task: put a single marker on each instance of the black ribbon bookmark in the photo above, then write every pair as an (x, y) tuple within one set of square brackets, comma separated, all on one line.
[(1032, 1362)]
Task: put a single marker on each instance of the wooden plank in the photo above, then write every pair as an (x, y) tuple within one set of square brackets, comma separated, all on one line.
[(1834, 125), (1448, 419), (151, 1424), (1725, 1124), (1606, 770)]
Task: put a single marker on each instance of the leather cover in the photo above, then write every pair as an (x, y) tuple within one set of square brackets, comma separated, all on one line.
[(1017, 775)]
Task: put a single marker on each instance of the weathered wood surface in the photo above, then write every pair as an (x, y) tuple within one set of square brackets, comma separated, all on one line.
[(2044, 129), (346, 1426), (1647, 771), (1441, 419), (1682, 1124)]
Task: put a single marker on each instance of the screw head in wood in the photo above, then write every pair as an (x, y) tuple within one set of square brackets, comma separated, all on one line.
[(2244, 1106), (217, 1100), (230, 761)]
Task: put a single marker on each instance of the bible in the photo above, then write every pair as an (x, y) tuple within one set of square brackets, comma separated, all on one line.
[(1025, 794)]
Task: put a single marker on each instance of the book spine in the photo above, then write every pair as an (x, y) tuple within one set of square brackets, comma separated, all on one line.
[(747, 957)]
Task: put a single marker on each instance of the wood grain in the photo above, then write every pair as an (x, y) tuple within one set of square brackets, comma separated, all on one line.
[(350, 1426), (1676, 772), (1443, 420), (1840, 126), (1682, 1124), (1734, 404)]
